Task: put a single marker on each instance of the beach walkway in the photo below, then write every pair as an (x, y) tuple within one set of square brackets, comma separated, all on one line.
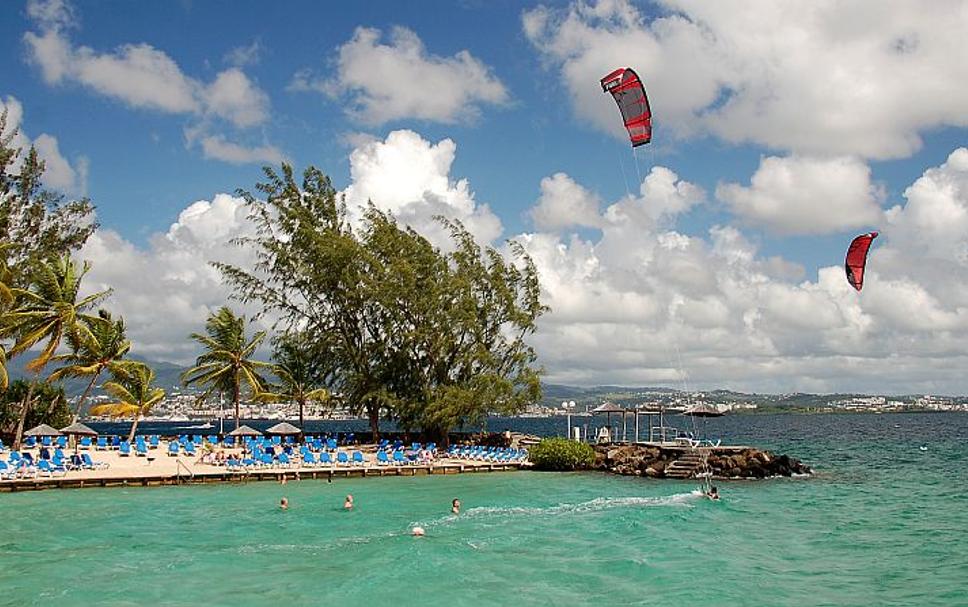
[(158, 468)]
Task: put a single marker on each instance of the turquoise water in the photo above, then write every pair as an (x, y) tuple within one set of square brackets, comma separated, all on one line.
[(882, 523)]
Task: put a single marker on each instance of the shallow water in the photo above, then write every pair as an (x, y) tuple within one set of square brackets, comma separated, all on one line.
[(882, 523)]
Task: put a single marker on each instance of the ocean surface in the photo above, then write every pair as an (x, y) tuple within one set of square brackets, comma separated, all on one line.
[(882, 522)]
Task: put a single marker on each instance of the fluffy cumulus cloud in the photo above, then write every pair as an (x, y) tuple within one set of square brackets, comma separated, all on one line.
[(399, 79), (410, 177), (166, 290), (803, 195), (60, 174), (821, 78), (139, 75), (643, 303)]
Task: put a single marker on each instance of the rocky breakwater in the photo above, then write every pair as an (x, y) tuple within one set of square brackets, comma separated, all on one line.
[(677, 462)]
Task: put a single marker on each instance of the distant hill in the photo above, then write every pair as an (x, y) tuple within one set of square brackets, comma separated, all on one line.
[(167, 373)]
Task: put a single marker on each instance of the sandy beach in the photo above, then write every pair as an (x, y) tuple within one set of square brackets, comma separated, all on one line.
[(158, 467)]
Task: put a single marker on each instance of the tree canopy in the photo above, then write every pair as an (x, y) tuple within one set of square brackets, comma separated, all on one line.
[(399, 327)]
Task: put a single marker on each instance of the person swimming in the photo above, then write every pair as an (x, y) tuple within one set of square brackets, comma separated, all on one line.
[(455, 506), (418, 532), (348, 504), (284, 504), (713, 494)]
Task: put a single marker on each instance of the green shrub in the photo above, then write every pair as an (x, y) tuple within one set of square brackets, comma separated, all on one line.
[(561, 454)]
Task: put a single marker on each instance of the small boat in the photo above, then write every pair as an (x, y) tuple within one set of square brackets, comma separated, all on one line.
[(923, 448)]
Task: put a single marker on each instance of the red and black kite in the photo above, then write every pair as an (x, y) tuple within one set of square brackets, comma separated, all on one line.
[(629, 94), (857, 259)]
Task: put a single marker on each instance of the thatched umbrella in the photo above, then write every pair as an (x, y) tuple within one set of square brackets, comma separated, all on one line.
[(43, 430), (245, 431), (78, 429), (284, 428)]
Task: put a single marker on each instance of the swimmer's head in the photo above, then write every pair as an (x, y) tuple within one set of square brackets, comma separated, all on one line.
[(418, 532), (284, 503)]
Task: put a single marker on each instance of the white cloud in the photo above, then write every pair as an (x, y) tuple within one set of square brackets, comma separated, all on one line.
[(167, 290), (242, 56), (400, 79), (215, 146), (139, 75), (410, 177), (859, 78), (803, 195), (564, 203), (59, 173), (644, 303), (234, 97)]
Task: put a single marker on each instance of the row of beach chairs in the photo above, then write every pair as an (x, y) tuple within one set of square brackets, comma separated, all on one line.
[(488, 454), (23, 465)]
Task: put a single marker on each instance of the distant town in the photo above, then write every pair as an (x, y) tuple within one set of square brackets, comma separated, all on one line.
[(184, 405)]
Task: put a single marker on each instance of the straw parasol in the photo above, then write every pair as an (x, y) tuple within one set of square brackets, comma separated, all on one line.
[(245, 431), (284, 428), (78, 429), (43, 430)]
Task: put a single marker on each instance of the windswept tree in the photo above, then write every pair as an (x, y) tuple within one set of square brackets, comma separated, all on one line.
[(104, 350), (226, 365), (434, 339), (49, 309), (133, 393), (36, 223), (301, 381), (311, 273)]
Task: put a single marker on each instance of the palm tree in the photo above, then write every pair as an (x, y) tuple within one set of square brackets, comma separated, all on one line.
[(134, 393), (48, 309), (298, 377), (91, 357), (226, 364)]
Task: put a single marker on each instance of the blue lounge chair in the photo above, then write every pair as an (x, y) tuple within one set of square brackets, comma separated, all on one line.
[(331, 444), (115, 442), (228, 441), (284, 460), (381, 458), (5, 471), (102, 443), (45, 441), (125, 448), (325, 459), (342, 459), (85, 442), (153, 441), (308, 459), (62, 442), (30, 442), (358, 458), (141, 449), (399, 459), (173, 448), (197, 440), (189, 448), (45, 468)]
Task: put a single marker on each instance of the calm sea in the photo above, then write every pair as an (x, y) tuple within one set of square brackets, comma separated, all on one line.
[(883, 522)]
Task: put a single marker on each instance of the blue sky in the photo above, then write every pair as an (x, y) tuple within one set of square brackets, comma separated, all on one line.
[(781, 131)]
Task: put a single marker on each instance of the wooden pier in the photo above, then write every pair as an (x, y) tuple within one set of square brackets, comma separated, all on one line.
[(74, 480)]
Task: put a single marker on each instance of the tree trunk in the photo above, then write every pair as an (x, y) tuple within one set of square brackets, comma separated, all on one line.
[(373, 412), (134, 428), (80, 403), (302, 403), (25, 407), (235, 399)]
